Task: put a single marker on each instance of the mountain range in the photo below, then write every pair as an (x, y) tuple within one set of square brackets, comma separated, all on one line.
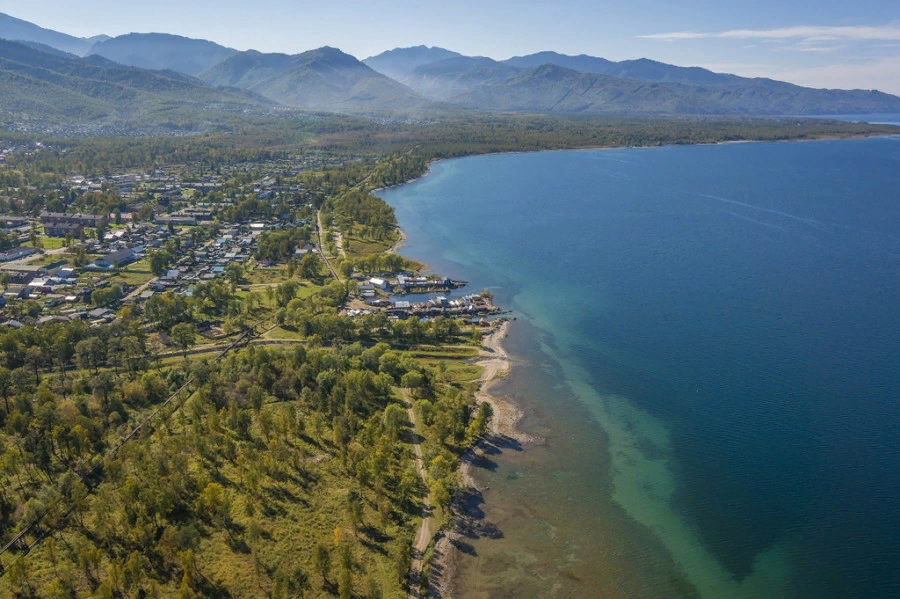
[(598, 86), (102, 76), (324, 79), (37, 85), (12, 28), (162, 51)]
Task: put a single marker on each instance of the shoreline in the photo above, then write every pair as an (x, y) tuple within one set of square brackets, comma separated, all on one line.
[(496, 364), (433, 161), (400, 242), (504, 432)]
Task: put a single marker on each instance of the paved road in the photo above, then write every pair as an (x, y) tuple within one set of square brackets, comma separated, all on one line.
[(38, 256)]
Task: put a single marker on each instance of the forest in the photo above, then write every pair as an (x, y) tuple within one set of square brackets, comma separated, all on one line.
[(263, 472)]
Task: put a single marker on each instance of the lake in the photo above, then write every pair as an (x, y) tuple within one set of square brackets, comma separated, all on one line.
[(708, 340)]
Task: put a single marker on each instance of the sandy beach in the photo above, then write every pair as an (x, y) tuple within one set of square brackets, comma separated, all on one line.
[(504, 432), (400, 242), (496, 364)]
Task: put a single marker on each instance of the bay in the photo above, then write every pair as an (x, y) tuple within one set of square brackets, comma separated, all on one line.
[(707, 337)]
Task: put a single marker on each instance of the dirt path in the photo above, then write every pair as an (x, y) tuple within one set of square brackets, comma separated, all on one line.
[(339, 242), (423, 535), (322, 245)]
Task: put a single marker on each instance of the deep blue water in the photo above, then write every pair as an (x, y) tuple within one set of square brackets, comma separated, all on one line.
[(729, 317)]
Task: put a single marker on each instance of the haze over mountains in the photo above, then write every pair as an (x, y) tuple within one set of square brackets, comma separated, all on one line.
[(41, 86), (583, 84), (162, 51), (155, 68), (324, 79), (12, 28)]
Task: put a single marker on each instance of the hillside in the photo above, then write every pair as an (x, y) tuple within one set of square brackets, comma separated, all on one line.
[(549, 88), (141, 74), (323, 79), (12, 28), (446, 79), (641, 69), (37, 85), (47, 49), (162, 51), (483, 84), (401, 62)]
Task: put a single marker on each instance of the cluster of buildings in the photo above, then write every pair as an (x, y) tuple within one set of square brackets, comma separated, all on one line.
[(468, 307), (61, 224), (57, 287), (378, 292), (423, 284), (371, 288), (179, 196), (10, 223), (200, 265)]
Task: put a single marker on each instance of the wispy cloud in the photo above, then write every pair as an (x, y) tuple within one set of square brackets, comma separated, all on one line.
[(809, 33), (802, 48), (882, 74)]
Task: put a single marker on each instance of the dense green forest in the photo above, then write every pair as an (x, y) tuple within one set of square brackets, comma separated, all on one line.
[(255, 140), (264, 473)]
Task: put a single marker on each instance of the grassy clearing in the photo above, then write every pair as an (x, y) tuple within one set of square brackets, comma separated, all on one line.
[(267, 275), (282, 333), (132, 277), (47, 243), (463, 353), (362, 247), (51, 259)]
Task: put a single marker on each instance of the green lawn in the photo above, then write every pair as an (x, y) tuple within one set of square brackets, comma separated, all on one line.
[(45, 260), (281, 333), (132, 277), (47, 243), (362, 247)]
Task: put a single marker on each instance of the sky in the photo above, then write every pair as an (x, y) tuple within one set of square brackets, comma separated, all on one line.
[(820, 43)]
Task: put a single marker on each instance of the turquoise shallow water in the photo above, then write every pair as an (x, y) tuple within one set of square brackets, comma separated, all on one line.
[(708, 339)]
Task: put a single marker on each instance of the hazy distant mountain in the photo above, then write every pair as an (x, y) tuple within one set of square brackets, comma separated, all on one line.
[(550, 88), (12, 28), (38, 85), (447, 78), (582, 62), (322, 79), (162, 51), (47, 49), (248, 69), (400, 62), (644, 69), (41, 79), (641, 69)]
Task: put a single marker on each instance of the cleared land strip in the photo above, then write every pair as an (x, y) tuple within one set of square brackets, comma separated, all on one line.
[(423, 535), (322, 245)]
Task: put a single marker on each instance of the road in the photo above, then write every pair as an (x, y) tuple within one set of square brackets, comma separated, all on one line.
[(322, 245), (423, 535), (38, 256)]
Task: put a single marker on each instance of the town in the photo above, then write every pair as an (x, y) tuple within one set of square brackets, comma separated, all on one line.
[(172, 230), (262, 284)]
